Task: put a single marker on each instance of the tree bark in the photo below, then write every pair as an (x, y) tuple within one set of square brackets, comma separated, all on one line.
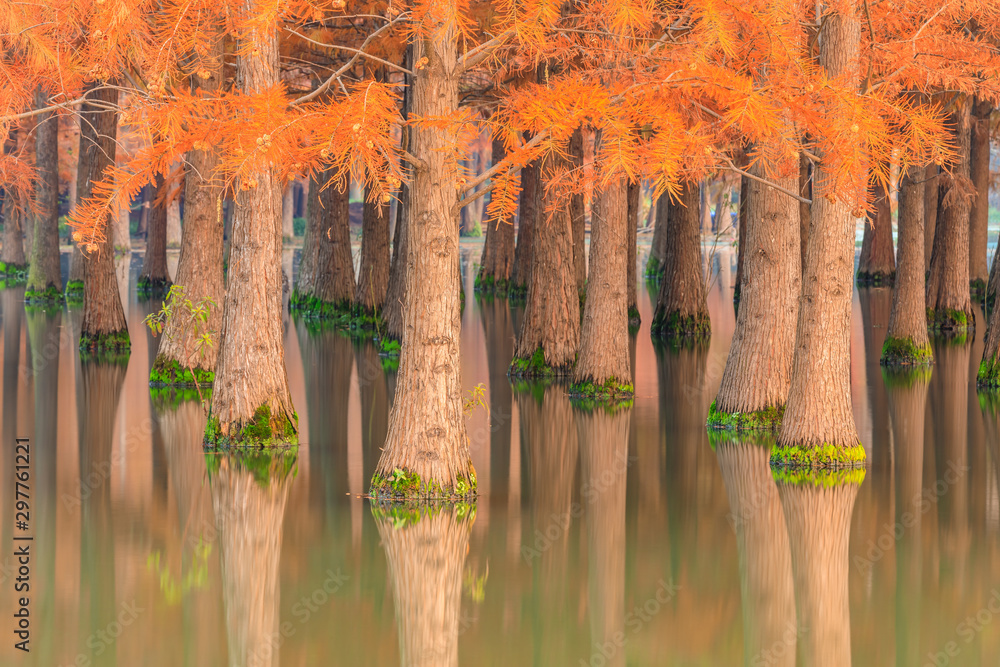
[(427, 438), (658, 247), (994, 281), (527, 218), (250, 400), (154, 279), (741, 239), (174, 231), (634, 195), (550, 332), (576, 212), (932, 191), (681, 309), (288, 212), (426, 559), (805, 210), (44, 279), (877, 264), (818, 410), (989, 369), (199, 268), (906, 338), (373, 278), (497, 260), (395, 293), (979, 171), (103, 328), (327, 287), (759, 367), (819, 522), (12, 256), (602, 369), (949, 308), (142, 229)]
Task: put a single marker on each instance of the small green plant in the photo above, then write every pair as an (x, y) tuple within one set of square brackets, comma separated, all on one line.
[(477, 399), (196, 314)]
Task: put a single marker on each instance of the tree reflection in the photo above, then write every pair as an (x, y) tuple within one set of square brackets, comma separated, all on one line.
[(249, 491), (425, 546), (817, 505), (755, 513)]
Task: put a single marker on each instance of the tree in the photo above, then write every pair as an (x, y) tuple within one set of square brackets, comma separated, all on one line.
[(657, 247), (979, 173), (527, 218), (154, 278), (44, 280), (497, 261), (906, 340), (373, 277), (330, 289), (634, 196), (13, 263), (877, 264)]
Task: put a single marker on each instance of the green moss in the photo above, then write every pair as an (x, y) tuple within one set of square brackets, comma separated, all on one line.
[(116, 342), (402, 514), (821, 456), (147, 286), (170, 398), (74, 292), (634, 319), (819, 477), (488, 284), (264, 465), (169, 372), (389, 347), (989, 400), (407, 485), (517, 294), (731, 438), (533, 386), (14, 274), (654, 271), (765, 419), (977, 289), (948, 322), (989, 373), (875, 279), (904, 352), (262, 430), (611, 394), (905, 376), (311, 306), (50, 294), (535, 367), (673, 327)]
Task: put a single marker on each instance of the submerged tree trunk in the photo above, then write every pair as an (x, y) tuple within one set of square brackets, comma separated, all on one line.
[(818, 411), (602, 369), (250, 400), (979, 171), (426, 453), (681, 309), (527, 217), (634, 195), (104, 328), (658, 246), (199, 268), (949, 308), (877, 264), (576, 213), (932, 191), (550, 332), (154, 279), (373, 278), (758, 372), (906, 339), (497, 260), (44, 279), (426, 559)]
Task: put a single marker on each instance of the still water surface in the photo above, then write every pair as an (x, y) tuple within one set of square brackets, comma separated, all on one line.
[(598, 539)]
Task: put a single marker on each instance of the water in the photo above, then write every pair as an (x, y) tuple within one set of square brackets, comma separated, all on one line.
[(598, 539)]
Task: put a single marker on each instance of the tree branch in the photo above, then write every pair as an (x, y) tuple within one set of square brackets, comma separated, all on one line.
[(482, 52), (766, 182)]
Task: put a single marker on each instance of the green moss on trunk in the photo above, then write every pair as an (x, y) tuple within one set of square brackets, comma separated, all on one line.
[(488, 284), (74, 292), (673, 326), (654, 271), (634, 320), (765, 419), (310, 306), (13, 275), (904, 352), (147, 286), (820, 456), (989, 373), (977, 289), (535, 367), (612, 394), (115, 342), (50, 294), (263, 430), (948, 322), (875, 279), (170, 373), (517, 294), (408, 485)]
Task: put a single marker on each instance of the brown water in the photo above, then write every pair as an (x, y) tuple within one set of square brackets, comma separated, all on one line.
[(598, 539)]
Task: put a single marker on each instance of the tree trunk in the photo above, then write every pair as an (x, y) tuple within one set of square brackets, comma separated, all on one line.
[(818, 517), (932, 191), (877, 265), (44, 279), (979, 218), (250, 401), (174, 219), (818, 411), (705, 207), (497, 260), (681, 309), (602, 370), (395, 293), (576, 213), (989, 369), (658, 247), (427, 438), (426, 558), (758, 371), (142, 229), (326, 275), (199, 268), (373, 278), (104, 328), (741, 239), (949, 308), (12, 260), (805, 210), (288, 212), (906, 339), (305, 284), (550, 332), (634, 195), (994, 282), (527, 217), (154, 279)]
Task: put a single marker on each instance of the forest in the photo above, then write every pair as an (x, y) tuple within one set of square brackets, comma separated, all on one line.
[(557, 130)]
